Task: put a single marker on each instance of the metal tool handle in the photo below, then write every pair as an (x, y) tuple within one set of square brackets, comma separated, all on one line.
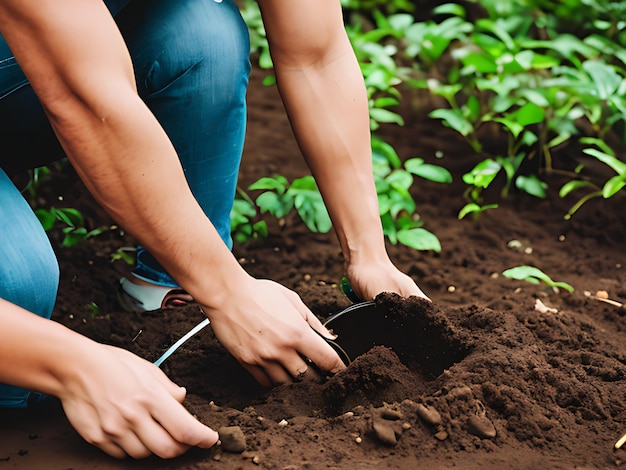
[(180, 342)]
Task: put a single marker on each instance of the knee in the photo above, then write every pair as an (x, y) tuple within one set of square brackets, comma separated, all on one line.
[(29, 277), (205, 47)]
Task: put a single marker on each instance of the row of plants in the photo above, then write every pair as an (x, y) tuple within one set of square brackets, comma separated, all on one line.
[(544, 75)]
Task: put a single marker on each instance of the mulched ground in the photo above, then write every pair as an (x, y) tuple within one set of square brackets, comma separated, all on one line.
[(485, 377)]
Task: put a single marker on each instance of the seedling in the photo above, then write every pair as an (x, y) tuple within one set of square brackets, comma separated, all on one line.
[(74, 230), (534, 276)]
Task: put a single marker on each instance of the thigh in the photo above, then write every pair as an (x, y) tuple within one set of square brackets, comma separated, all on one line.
[(191, 60), (29, 272)]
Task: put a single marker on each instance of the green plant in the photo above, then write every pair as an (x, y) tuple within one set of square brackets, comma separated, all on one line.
[(124, 253), (534, 276), (475, 209), (278, 198), (74, 230), (242, 224), (520, 70)]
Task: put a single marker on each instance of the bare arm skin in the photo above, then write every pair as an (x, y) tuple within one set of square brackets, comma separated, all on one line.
[(77, 63), (322, 87), (115, 400)]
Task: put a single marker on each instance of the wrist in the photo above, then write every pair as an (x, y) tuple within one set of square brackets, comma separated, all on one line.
[(367, 250)]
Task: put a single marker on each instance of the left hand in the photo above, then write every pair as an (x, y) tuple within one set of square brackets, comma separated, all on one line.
[(370, 279)]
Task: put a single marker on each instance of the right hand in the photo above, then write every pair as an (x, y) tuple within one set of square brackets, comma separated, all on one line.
[(269, 330), (127, 406)]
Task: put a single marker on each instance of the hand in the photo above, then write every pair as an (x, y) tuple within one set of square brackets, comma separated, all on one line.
[(371, 278), (270, 331), (127, 406)]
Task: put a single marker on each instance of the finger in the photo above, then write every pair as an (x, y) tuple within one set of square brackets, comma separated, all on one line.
[(184, 430), (131, 445), (112, 449), (177, 392), (320, 352), (312, 320), (295, 366), (155, 439), (277, 373), (259, 374)]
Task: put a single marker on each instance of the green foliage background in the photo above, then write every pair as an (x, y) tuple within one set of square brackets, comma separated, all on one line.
[(546, 75)]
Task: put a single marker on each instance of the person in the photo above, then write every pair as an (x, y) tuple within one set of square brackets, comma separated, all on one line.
[(146, 99)]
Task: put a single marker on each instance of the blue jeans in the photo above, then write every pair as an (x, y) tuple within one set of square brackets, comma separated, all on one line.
[(29, 272), (191, 61)]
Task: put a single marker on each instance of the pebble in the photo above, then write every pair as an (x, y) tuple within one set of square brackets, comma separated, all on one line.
[(428, 415), (232, 439), (481, 426), (385, 433)]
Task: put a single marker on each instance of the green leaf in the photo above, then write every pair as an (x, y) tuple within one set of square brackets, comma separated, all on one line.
[(384, 149), (532, 185), (483, 173), (572, 186), (606, 79), (613, 185), (617, 165), (69, 216), (419, 239), (427, 171), (46, 218), (449, 9), (530, 113), (274, 204), (400, 180), (278, 183), (468, 209), (453, 119), (534, 276), (384, 115)]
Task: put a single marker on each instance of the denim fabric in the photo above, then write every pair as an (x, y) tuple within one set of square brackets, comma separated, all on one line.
[(191, 60), (29, 272)]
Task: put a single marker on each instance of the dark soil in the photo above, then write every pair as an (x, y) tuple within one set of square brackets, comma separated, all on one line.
[(479, 379)]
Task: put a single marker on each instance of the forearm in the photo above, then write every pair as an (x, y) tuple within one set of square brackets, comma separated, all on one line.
[(39, 354), (322, 88), (328, 111), (78, 65)]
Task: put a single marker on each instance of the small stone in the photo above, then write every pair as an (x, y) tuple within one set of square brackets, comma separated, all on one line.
[(602, 294), (441, 435), (388, 413), (282, 423), (307, 277), (256, 460), (358, 440), (463, 392), (481, 426), (451, 289), (406, 426), (385, 433), (232, 439), (428, 415)]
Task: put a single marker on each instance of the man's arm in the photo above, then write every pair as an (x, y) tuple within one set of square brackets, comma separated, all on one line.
[(322, 87), (122, 404), (77, 63)]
